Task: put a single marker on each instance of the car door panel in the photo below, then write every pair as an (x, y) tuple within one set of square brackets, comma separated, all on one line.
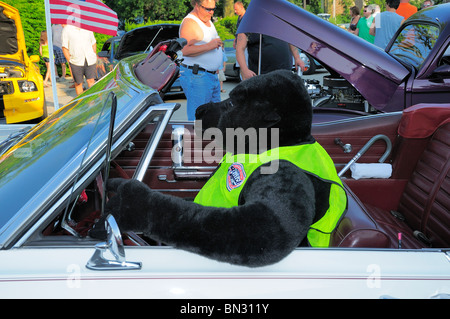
[(173, 273)]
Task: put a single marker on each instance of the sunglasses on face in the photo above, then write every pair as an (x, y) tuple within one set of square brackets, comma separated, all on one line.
[(208, 9)]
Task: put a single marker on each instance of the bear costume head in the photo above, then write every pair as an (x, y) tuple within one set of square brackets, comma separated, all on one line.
[(242, 215), (275, 100)]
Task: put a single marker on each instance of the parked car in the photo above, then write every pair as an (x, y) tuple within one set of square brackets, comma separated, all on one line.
[(232, 71), (107, 56), (21, 83), (52, 191), (134, 42), (413, 69)]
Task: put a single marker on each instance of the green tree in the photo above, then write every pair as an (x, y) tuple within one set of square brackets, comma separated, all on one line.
[(228, 8), (314, 5), (166, 9), (126, 9), (144, 10)]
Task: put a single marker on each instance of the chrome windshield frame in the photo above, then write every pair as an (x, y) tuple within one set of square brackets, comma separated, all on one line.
[(165, 110)]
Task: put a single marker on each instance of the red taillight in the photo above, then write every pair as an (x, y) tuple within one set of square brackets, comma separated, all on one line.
[(162, 46)]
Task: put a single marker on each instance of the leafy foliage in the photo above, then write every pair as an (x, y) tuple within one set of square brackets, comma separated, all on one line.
[(140, 11), (131, 26)]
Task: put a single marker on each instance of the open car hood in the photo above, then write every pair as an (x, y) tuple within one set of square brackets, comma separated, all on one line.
[(137, 40), (12, 39), (373, 72)]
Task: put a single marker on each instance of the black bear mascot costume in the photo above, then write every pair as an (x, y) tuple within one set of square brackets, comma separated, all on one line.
[(261, 202)]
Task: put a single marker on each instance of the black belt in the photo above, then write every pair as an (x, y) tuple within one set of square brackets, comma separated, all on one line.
[(199, 68)]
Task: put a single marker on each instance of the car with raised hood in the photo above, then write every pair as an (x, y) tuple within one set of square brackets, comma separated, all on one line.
[(136, 41), (232, 71), (414, 68), (21, 83)]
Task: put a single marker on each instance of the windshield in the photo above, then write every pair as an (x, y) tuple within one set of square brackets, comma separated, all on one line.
[(54, 150), (414, 43)]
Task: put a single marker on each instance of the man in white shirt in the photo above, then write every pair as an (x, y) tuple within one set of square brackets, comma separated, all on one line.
[(202, 57), (80, 47)]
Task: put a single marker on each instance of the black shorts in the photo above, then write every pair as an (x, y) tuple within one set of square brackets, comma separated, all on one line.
[(59, 55), (89, 71)]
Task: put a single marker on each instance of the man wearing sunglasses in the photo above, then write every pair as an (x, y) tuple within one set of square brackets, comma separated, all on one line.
[(202, 57)]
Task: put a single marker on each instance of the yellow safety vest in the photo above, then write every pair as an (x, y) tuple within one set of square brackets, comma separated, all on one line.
[(224, 187)]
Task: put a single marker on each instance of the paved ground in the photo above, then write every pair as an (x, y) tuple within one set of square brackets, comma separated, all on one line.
[(180, 114), (65, 94)]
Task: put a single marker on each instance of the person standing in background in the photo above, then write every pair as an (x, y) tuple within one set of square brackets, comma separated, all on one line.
[(80, 49), (354, 13), (385, 24), (44, 51), (275, 55), (57, 49), (364, 23), (240, 11), (405, 9), (203, 57)]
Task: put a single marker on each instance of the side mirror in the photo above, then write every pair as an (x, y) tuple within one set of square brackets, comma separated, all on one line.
[(103, 54), (442, 71), (113, 245)]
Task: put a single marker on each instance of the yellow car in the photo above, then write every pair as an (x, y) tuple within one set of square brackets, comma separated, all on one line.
[(21, 84)]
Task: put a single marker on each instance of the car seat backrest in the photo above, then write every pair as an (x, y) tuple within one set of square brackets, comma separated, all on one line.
[(425, 202)]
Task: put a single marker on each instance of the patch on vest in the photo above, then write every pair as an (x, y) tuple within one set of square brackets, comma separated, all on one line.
[(235, 176)]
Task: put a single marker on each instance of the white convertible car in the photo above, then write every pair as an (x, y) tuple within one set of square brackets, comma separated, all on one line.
[(393, 241)]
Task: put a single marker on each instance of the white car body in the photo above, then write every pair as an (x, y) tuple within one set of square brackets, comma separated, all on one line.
[(170, 273)]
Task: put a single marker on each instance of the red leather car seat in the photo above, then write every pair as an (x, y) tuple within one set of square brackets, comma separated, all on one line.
[(423, 211)]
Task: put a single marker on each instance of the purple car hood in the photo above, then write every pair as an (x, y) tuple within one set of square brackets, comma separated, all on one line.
[(373, 72)]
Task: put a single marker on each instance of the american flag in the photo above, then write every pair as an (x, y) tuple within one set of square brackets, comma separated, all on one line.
[(91, 15)]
